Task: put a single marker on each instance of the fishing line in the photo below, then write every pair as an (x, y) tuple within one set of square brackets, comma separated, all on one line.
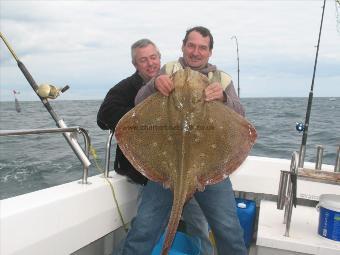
[(101, 170)]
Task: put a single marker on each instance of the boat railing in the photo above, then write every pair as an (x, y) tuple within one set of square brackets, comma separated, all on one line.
[(66, 130), (287, 197), (108, 153)]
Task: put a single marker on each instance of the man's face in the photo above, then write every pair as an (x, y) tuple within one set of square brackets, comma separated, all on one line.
[(196, 52), (147, 62)]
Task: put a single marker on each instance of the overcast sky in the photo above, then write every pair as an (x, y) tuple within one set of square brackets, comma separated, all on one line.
[(86, 44)]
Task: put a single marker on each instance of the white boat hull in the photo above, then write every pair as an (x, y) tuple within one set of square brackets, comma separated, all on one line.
[(63, 219)]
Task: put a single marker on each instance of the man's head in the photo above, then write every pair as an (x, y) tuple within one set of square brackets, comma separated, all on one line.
[(197, 47), (146, 58)]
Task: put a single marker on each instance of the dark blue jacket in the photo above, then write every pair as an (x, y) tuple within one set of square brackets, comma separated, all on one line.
[(118, 101)]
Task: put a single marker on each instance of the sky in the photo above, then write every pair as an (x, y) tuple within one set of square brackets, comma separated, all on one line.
[(86, 44)]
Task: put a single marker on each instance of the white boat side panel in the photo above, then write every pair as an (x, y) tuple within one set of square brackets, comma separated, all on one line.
[(303, 232), (65, 218), (262, 175)]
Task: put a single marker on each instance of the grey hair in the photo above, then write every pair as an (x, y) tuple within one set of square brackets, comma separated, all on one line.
[(141, 44)]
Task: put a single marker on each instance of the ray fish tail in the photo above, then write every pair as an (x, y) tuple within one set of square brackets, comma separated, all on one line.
[(179, 200)]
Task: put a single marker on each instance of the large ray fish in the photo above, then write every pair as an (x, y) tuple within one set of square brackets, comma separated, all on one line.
[(183, 141)]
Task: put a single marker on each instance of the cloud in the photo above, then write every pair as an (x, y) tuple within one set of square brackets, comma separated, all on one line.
[(87, 43)]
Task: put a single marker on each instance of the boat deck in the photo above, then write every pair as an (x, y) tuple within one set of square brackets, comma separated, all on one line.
[(303, 237)]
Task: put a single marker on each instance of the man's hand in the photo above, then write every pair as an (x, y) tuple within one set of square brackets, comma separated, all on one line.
[(214, 92), (164, 84)]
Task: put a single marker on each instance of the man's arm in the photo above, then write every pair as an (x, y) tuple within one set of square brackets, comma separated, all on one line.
[(114, 106), (228, 96), (149, 88), (232, 100), (145, 91)]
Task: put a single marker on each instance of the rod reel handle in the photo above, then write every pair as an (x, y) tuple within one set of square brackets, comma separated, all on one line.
[(50, 91), (64, 88)]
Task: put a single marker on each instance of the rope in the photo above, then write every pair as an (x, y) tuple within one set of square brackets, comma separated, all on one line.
[(101, 170)]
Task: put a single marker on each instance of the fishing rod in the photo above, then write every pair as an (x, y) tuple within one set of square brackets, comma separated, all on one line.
[(238, 66), (48, 91), (310, 100)]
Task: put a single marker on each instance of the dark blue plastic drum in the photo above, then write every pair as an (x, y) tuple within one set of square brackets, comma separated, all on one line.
[(329, 218), (246, 212)]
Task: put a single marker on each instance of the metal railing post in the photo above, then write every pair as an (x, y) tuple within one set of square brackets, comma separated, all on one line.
[(337, 160), (107, 154), (319, 155), (87, 143)]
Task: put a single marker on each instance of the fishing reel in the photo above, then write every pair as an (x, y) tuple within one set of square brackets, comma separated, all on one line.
[(50, 91), (300, 127)]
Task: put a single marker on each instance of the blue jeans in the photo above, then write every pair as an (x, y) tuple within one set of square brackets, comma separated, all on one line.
[(196, 225), (217, 203)]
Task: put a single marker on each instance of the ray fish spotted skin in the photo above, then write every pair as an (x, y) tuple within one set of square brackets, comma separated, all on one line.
[(183, 141)]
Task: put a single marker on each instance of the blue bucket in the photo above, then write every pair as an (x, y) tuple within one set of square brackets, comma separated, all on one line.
[(329, 218), (182, 245)]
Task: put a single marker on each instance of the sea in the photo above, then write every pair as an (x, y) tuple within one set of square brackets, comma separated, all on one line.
[(33, 162)]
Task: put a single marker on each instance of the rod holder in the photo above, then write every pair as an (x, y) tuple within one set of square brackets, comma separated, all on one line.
[(337, 160), (287, 191), (319, 155), (302, 156), (282, 193)]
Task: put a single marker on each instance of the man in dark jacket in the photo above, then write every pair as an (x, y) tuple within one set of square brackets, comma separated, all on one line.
[(120, 99)]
